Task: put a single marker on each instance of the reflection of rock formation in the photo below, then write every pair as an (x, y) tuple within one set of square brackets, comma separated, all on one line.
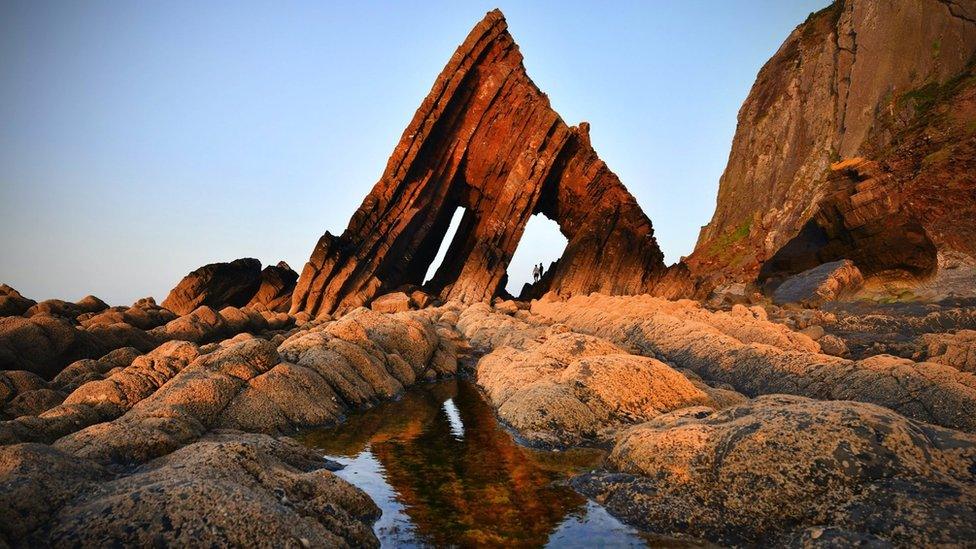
[(486, 140), (476, 489)]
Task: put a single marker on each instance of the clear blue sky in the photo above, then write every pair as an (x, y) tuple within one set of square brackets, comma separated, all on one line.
[(142, 139)]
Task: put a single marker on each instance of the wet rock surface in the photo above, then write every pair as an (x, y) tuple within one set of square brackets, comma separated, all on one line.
[(227, 489), (153, 448)]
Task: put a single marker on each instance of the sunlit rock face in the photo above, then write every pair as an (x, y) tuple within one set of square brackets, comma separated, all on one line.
[(487, 140), (854, 142)]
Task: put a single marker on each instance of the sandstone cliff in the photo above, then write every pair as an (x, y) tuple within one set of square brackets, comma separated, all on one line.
[(857, 141), (486, 140)]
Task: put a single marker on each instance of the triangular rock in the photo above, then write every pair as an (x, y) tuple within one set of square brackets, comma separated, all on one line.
[(485, 139)]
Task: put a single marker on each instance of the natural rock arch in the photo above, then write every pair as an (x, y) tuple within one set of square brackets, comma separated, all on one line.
[(485, 139)]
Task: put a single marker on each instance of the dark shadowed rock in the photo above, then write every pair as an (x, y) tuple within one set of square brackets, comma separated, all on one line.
[(216, 285), (43, 344), (815, 286), (12, 303), (230, 489), (274, 293)]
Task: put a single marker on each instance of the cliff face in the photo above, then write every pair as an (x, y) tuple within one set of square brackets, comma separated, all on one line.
[(486, 140), (856, 141)]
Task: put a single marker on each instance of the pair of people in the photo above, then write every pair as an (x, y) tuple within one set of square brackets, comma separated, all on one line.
[(537, 272)]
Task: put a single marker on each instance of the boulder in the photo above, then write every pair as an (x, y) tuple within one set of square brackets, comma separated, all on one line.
[(274, 293), (231, 489), (12, 303), (957, 350), (573, 389), (766, 471), (820, 284), (833, 345), (395, 302), (43, 344), (201, 325), (216, 285)]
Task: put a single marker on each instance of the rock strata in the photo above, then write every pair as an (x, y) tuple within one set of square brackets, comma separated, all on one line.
[(485, 140), (854, 142)]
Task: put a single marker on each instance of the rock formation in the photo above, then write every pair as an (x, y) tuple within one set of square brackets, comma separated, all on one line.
[(788, 471), (274, 293), (855, 142), (696, 340), (216, 285), (486, 140)]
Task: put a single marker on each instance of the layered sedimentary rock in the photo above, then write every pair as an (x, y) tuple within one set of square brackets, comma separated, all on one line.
[(855, 142), (485, 140)]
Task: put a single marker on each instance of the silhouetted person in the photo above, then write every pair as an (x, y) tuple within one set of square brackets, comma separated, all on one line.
[(542, 271)]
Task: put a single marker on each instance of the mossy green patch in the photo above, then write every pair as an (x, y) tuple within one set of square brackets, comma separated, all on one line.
[(723, 247)]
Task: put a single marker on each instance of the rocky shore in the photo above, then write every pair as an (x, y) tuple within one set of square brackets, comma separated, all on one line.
[(722, 425)]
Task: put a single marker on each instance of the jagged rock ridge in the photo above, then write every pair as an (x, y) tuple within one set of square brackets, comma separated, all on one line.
[(487, 140)]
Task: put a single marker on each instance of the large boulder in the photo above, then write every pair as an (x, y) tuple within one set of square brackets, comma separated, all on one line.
[(572, 389), (43, 344), (771, 470), (395, 302), (957, 350), (216, 285), (231, 489)]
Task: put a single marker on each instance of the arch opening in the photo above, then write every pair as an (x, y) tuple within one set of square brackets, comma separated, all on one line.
[(541, 242), (437, 267)]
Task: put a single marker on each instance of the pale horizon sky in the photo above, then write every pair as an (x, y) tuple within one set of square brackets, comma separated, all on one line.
[(140, 140)]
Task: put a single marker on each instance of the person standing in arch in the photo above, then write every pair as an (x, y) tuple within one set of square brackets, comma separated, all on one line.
[(542, 271), (535, 274)]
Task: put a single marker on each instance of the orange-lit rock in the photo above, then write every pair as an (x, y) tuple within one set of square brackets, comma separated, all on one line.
[(487, 140)]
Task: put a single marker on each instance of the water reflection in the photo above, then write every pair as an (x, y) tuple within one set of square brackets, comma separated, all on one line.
[(445, 473)]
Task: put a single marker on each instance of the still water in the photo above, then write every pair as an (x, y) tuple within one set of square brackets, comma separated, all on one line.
[(445, 473)]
